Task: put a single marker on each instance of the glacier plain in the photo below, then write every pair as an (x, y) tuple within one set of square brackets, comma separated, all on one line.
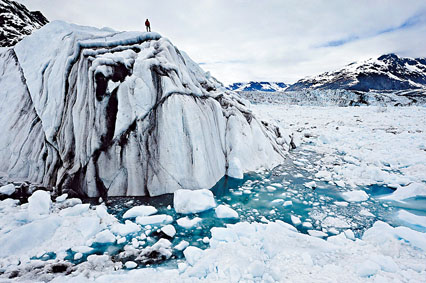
[(347, 205)]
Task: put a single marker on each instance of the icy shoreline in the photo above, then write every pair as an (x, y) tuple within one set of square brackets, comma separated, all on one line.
[(358, 152)]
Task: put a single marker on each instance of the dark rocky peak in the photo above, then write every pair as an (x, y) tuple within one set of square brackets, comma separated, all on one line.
[(16, 22)]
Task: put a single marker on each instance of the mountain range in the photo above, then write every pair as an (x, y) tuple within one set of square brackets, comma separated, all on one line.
[(258, 86), (385, 73)]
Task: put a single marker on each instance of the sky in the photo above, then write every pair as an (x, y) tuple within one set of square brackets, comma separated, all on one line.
[(262, 40)]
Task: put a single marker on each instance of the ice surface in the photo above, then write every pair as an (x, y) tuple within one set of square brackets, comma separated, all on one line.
[(75, 210), (142, 210), (105, 237), (355, 196), (169, 230), (39, 204), (188, 223), (187, 201), (125, 229), (7, 189), (223, 211), (154, 219), (412, 190), (412, 218)]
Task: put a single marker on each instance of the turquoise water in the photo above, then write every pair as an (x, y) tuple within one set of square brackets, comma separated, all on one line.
[(262, 197)]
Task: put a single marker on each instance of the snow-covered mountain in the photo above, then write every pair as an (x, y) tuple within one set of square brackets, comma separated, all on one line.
[(16, 22), (98, 112), (388, 72), (258, 86)]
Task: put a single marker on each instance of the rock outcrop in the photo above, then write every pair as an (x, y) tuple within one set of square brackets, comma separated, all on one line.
[(16, 22)]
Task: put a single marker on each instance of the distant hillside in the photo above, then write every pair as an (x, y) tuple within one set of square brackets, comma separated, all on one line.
[(388, 72), (16, 22), (258, 86)]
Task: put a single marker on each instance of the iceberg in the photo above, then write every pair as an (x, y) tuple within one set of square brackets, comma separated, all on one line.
[(96, 112)]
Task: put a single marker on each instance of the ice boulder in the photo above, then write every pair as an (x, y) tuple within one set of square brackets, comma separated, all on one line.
[(104, 237), (355, 196), (39, 204), (141, 210), (223, 211), (187, 201), (7, 189), (96, 112)]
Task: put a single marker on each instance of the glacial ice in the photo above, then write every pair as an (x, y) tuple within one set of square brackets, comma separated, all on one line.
[(141, 210), (187, 201), (122, 114), (223, 211), (39, 204), (354, 196), (7, 189)]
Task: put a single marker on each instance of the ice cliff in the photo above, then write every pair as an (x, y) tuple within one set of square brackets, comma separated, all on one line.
[(95, 112)]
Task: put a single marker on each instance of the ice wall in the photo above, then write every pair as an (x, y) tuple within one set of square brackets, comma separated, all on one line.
[(97, 112)]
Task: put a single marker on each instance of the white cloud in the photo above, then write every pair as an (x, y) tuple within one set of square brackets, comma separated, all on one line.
[(241, 40)]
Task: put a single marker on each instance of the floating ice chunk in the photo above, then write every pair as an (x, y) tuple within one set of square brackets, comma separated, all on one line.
[(82, 249), (125, 229), (141, 210), (223, 211), (130, 264), (39, 204), (316, 233), (341, 203), (61, 198), (187, 223), (311, 185), (182, 245), (368, 268), (234, 169), (75, 210), (7, 189), (323, 175), (192, 254), (340, 183), (271, 189), (355, 196), (365, 212), (78, 256), (339, 222), (307, 225), (162, 248), (412, 218), (169, 230), (412, 190), (295, 220), (105, 237), (187, 201), (277, 201), (288, 203), (154, 219)]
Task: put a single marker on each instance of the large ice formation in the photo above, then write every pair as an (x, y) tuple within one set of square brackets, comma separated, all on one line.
[(95, 112)]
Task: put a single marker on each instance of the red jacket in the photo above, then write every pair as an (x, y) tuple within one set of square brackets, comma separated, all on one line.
[(147, 24)]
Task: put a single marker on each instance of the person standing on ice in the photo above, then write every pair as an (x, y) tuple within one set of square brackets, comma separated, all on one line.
[(148, 26)]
